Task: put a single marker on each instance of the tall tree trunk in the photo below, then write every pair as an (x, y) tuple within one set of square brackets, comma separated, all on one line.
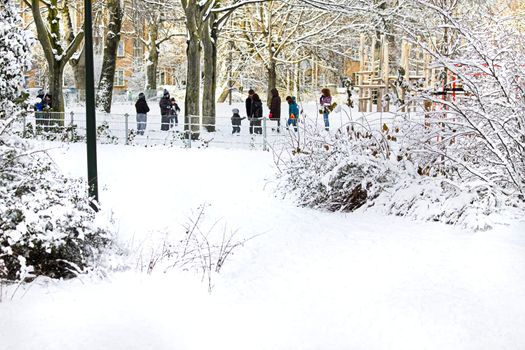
[(55, 89), (109, 62), (272, 79), (193, 82), (79, 74), (193, 74), (209, 43), (77, 63), (153, 59)]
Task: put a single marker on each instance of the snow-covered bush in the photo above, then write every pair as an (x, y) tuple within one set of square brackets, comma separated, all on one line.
[(375, 171), (460, 158), (343, 175), (477, 134), (46, 222), (15, 59)]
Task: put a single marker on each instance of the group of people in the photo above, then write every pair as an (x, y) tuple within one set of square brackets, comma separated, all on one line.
[(254, 111), (42, 108), (169, 111)]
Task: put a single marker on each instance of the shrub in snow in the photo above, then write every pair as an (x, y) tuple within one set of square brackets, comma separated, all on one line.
[(342, 176), (47, 226), (371, 171), (15, 57)]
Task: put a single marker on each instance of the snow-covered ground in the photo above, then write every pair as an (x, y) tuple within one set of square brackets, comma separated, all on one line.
[(309, 280)]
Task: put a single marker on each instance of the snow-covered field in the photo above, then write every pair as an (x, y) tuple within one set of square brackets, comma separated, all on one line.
[(309, 280)]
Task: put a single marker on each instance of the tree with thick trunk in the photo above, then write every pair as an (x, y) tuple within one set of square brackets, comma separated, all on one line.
[(109, 62), (152, 62), (56, 52), (204, 20), (77, 61)]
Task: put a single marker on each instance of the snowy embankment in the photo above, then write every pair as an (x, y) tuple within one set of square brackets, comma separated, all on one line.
[(309, 280)]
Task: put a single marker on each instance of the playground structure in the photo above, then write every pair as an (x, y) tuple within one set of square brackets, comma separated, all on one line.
[(387, 70)]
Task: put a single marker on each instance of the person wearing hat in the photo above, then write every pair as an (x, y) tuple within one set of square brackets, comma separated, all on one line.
[(165, 111), (236, 121), (141, 106)]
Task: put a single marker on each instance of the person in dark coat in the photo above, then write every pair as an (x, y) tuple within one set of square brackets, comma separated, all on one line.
[(174, 115), (257, 115), (165, 111), (249, 107), (142, 108), (236, 121), (249, 103), (275, 108)]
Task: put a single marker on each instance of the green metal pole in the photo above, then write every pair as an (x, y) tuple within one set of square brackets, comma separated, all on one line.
[(91, 123)]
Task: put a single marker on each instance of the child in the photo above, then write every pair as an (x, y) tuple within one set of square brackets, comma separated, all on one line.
[(174, 113), (293, 111), (236, 121)]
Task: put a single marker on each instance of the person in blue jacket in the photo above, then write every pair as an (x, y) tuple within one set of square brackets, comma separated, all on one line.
[(293, 111)]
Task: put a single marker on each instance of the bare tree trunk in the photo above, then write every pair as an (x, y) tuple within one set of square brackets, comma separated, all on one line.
[(77, 63), (55, 89), (193, 74), (50, 37), (79, 71), (109, 62), (272, 78), (209, 43), (153, 58)]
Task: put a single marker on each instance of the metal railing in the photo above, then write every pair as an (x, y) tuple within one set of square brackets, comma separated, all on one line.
[(189, 131)]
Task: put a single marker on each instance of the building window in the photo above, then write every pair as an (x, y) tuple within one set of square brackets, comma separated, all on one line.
[(138, 52), (120, 49), (162, 78), (119, 78)]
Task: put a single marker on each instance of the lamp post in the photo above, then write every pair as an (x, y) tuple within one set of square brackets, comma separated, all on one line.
[(91, 127)]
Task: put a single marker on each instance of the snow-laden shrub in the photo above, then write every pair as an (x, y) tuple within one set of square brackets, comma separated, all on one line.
[(46, 223), (479, 131), (47, 226), (15, 57), (336, 178), (365, 173), (473, 205), (339, 174)]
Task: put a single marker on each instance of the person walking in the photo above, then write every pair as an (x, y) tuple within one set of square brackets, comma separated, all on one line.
[(257, 115), (249, 107), (165, 111), (275, 108), (142, 108), (293, 112), (326, 102)]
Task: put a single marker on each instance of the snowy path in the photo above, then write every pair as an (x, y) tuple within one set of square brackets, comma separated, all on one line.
[(312, 280)]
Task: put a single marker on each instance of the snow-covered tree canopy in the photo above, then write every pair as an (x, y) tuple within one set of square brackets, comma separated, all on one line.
[(15, 56)]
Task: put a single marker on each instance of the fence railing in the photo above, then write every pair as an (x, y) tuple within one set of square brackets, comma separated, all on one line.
[(187, 131)]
